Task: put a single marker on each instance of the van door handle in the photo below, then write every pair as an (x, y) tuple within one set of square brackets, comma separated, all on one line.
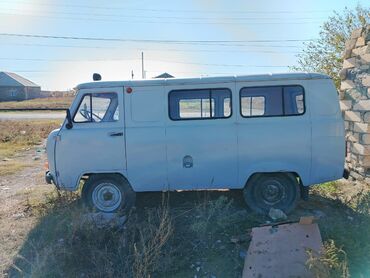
[(113, 134)]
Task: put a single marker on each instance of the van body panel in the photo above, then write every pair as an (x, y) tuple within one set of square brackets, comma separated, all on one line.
[(210, 144), (89, 147), (275, 143), (328, 143), (146, 138)]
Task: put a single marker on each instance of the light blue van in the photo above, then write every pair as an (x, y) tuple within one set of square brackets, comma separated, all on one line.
[(270, 135)]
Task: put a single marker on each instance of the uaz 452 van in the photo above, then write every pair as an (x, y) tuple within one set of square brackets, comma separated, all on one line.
[(270, 135)]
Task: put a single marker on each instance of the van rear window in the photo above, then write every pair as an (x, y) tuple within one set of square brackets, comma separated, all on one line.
[(199, 104), (272, 101)]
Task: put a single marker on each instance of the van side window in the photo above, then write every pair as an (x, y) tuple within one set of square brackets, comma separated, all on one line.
[(200, 104), (271, 101), (261, 101), (196, 108), (227, 106), (98, 107), (293, 100), (253, 106)]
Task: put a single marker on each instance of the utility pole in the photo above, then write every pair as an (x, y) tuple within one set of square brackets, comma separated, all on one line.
[(142, 66)]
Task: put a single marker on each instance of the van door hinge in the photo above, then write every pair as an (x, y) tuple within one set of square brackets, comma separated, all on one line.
[(58, 138)]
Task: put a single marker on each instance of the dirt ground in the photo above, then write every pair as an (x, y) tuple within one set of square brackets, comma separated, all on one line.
[(201, 244), (15, 223)]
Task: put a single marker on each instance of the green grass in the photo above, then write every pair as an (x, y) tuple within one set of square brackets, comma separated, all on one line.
[(347, 223), (326, 188)]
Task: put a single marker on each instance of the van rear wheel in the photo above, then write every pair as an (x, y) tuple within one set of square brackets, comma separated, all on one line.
[(272, 190), (108, 193)]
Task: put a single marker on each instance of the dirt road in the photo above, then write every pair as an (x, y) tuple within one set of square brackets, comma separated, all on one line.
[(15, 222)]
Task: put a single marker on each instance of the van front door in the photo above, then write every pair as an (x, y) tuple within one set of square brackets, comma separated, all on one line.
[(96, 143)]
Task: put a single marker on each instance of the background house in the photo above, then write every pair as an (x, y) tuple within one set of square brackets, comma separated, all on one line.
[(14, 87), (164, 75)]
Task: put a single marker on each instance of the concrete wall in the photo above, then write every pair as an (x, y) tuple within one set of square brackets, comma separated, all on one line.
[(355, 102)]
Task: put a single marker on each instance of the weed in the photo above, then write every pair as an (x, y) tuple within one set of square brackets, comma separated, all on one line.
[(152, 237), (347, 223), (327, 188), (212, 215), (332, 262), (62, 244)]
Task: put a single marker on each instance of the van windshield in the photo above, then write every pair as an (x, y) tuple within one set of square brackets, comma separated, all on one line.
[(97, 107)]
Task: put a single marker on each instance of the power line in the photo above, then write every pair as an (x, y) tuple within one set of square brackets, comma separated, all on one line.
[(63, 60), (151, 49), (155, 60), (161, 22), (219, 65), (168, 17), (169, 10), (147, 40), (172, 49)]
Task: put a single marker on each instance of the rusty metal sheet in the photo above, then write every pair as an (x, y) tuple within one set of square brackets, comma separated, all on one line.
[(280, 251)]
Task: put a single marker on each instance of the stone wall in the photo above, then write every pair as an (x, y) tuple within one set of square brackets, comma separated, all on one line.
[(355, 102)]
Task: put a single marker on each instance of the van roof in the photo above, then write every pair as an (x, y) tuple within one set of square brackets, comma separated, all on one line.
[(200, 80)]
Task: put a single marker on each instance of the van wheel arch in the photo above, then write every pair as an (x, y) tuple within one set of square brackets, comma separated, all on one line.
[(294, 174), (118, 181)]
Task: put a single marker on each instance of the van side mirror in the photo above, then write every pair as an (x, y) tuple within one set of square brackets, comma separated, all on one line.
[(69, 123)]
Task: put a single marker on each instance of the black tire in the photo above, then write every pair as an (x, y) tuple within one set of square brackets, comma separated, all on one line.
[(108, 193), (272, 190)]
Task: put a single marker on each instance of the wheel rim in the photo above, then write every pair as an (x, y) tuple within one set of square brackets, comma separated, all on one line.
[(106, 197), (272, 192)]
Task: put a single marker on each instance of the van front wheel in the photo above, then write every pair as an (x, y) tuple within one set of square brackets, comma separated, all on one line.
[(272, 190), (108, 193)]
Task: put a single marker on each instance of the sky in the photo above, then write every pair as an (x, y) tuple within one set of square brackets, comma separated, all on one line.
[(71, 40)]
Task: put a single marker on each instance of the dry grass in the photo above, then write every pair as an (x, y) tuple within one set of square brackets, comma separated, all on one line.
[(63, 245), (10, 167), (16, 136), (19, 136), (175, 237), (45, 103), (344, 229), (332, 263)]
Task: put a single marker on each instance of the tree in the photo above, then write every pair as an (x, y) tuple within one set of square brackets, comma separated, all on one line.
[(324, 55)]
